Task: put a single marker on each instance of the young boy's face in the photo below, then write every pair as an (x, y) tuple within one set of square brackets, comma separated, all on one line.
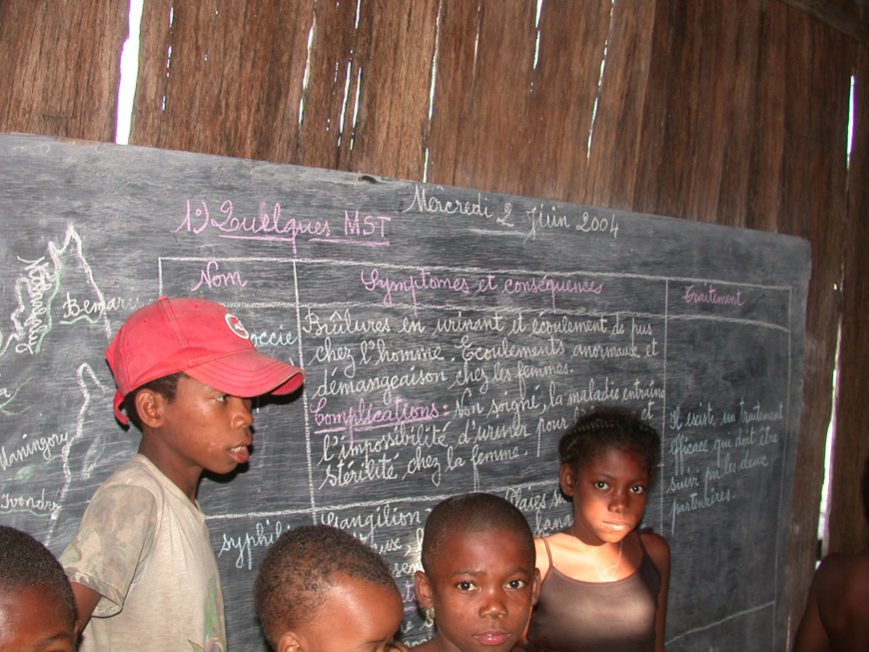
[(357, 616), (204, 428), (34, 620), (482, 586)]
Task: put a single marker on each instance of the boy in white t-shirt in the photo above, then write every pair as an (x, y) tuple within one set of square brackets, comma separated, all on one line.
[(142, 568)]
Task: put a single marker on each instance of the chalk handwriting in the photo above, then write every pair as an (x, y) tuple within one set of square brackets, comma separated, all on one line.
[(212, 277), (264, 534), (426, 201), (551, 286), (35, 292), (403, 436), (366, 416), (709, 497), (709, 294), (7, 398), (371, 224), (341, 322), (75, 308), (40, 506), (386, 384), (334, 354), (378, 352), (374, 281), (44, 446), (461, 323), (264, 224), (756, 414), (472, 350), (365, 524), (280, 337), (542, 218)]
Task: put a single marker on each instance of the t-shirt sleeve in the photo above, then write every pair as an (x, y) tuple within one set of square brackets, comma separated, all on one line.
[(116, 532)]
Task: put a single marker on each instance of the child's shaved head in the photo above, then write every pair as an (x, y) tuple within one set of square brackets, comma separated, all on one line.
[(473, 512), (37, 608), (301, 568), (26, 563)]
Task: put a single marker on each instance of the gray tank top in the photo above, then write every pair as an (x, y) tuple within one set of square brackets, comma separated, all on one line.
[(575, 616)]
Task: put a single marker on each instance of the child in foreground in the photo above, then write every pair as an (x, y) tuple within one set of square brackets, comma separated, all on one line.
[(319, 589), (142, 563), (604, 581), (478, 574), (37, 610)]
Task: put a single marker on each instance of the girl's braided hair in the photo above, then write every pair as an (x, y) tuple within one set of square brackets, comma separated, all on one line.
[(592, 434)]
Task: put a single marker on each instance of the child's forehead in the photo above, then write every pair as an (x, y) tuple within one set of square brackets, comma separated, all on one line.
[(33, 594), (19, 604), (351, 583), (474, 542), (616, 457)]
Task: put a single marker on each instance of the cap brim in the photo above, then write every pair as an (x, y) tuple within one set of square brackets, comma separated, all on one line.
[(248, 374)]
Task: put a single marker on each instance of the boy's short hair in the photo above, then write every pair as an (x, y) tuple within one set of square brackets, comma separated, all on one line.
[(302, 566), (167, 386), (26, 563), (200, 338), (472, 512), (593, 434)]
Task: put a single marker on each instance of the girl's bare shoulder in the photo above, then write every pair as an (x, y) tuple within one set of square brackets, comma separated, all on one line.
[(555, 540), (657, 547)]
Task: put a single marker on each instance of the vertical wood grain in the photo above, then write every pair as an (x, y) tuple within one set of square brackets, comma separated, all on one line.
[(61, 64)]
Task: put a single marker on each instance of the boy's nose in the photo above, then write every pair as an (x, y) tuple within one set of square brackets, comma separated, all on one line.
[(493, 606), (244, 411)]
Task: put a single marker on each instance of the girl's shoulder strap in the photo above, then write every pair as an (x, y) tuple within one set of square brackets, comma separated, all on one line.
[(548, 551), (642, 533), (545, 542), (656, 548)]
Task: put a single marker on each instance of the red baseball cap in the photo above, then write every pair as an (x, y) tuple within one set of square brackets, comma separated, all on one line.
[(200, 338)]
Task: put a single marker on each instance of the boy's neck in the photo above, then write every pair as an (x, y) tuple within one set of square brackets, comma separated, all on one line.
[(184, 476)]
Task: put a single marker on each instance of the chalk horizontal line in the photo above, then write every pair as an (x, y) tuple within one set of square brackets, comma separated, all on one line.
[(581, 312), (745, 612), (485, 270), (363, 504)]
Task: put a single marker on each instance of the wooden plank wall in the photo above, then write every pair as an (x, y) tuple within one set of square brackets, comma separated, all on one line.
[(725, 111)]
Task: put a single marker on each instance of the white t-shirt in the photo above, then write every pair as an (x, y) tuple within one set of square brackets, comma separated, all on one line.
[(144, 547)]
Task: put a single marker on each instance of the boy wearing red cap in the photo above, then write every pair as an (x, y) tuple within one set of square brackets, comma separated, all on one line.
[(142, 564)]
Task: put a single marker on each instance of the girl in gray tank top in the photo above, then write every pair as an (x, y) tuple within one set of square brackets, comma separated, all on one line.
[(604, 582)]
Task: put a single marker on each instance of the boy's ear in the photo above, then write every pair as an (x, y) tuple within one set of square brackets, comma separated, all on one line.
[(535, 587), (423, 590), (149, 405), (289, 642), (567, 477)]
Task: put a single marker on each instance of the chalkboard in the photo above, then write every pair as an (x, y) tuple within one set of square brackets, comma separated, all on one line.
[(449, 336)]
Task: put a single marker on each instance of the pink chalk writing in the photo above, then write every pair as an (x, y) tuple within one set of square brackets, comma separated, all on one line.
[(709, 294), (551, 286), (372, 225), (213, 277), (365, 416), (265, 225), (374, 281)]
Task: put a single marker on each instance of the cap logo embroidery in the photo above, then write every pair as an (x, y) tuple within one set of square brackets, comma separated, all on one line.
[(236, 326)]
